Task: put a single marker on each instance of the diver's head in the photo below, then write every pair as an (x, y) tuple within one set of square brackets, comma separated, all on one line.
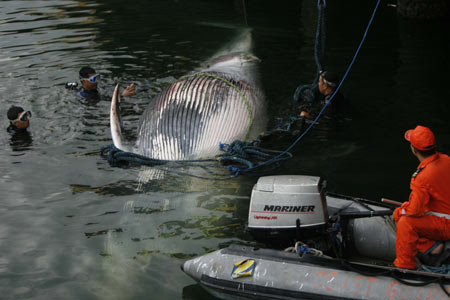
[(18, 117), (328, 81), (89, 78)]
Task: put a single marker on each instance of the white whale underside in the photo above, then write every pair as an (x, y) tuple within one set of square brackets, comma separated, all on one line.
[(193, 116), (218, 104)]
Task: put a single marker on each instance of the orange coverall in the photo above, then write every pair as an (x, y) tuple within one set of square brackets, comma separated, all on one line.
[(425, 218)]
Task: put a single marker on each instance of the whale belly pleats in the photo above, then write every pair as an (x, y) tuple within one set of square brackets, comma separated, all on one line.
[(192, 116)]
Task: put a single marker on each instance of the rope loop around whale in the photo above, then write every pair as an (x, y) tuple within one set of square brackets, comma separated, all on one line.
[(116, 157), (232, 85), (238, 157)]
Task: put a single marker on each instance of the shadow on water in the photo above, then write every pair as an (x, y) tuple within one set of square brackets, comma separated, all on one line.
[(195, 291), (21, 141)]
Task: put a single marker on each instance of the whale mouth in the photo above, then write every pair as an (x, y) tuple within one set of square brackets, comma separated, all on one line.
[(238, 59), (250, 58)]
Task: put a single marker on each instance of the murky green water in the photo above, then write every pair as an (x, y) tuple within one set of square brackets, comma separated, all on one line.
[(72, 227)]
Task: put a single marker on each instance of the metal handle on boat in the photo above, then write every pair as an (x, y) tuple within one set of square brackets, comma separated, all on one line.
[(389, 201)]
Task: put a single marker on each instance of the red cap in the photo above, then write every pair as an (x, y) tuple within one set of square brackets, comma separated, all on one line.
[(422, 138)]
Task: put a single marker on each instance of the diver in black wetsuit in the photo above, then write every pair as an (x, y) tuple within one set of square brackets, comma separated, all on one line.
[(89, 83), (328, 82), (19, 121)]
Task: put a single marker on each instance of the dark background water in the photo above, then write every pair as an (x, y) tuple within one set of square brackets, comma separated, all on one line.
[(72, 227)]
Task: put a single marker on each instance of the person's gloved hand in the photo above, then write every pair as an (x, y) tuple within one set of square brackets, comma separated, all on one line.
[(305, 114), (398, 211), (71, 85), (129, 91)]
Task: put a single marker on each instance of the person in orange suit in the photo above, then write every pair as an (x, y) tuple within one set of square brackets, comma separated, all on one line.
[(424, 219)]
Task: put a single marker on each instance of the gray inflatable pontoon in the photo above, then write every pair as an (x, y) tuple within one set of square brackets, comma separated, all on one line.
[(297, 208), (286, 275)]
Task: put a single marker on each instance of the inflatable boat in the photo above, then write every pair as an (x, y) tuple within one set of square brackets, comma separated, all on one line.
[(342, 248)]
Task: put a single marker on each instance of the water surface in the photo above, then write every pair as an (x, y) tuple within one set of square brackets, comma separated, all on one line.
[(73, 227)]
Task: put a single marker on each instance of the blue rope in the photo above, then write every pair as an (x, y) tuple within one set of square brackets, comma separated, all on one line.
[(245, 153), (117, 157), (308, 92), (336, 230), (291, 122), (303, 249), (444, 269), (319, 46), (327, 102), (244, 150), (238, 153)]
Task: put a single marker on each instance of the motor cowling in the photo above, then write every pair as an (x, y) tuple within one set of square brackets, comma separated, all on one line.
[(286, 206)]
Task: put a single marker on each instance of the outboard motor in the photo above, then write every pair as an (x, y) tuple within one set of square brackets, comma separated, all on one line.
[(284, 208)]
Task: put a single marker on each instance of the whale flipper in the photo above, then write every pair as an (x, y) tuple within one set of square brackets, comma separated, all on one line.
[(116, 121)]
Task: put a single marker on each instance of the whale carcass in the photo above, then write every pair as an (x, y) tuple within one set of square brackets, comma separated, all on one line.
[(218, 104)]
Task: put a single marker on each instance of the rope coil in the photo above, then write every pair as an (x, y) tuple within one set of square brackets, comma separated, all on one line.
[(238, 156)]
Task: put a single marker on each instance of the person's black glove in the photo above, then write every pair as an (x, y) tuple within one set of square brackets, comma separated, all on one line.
[(71, 85)]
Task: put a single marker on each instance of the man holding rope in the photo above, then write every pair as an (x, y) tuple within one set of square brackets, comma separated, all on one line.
[(424, 221)]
